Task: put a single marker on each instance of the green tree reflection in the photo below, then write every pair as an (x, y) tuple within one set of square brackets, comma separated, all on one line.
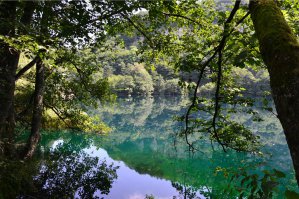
[(63, 173)]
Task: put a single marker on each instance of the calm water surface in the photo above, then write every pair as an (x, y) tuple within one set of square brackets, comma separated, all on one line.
[(151, 160)]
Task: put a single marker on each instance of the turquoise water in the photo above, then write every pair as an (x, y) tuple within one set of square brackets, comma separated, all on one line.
[(150, 160), (143, 139)]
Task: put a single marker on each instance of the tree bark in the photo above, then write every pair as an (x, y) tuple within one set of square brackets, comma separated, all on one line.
[(26, 18), (9, 58), (280, 51), (39, 89), (37, 110)]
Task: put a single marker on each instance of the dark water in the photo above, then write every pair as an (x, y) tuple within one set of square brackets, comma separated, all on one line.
[(148, 159)]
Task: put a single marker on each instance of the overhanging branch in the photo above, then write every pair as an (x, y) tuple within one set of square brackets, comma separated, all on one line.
[(217, 50), (139, 30), (181, 16), (217, 100)]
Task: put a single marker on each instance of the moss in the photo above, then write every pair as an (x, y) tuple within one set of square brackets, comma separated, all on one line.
[(278, 45)]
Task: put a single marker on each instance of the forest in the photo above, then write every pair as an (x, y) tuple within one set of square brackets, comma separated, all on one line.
[(183, 99)]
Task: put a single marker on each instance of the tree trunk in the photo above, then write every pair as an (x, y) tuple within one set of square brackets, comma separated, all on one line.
[(37, 110), (9, 58), (28, 13), (280, 51)]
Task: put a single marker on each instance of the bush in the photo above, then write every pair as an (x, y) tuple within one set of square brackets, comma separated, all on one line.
[(159, 84), (121, 84), (172, 87), (143, 80)]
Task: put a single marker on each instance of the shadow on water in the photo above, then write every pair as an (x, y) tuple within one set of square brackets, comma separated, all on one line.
[(139, 159)]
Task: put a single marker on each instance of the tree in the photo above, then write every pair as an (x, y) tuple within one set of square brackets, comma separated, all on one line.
[(86, 175), (43, 30), (190, 33), (280, 51), (198, 38), (9, 62)]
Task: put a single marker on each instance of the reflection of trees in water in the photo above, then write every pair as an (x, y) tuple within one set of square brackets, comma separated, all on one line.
[(190, 192), (186, 192), (146, 147), (64, 173), (138, 112), (142, 110), (148, 117), (196, 171), (71, 173)]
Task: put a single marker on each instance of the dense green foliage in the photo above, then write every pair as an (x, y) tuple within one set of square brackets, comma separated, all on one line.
[(86, 53), (137, 141), (194, 39), (128, 74), (167, 50), (65, 171)]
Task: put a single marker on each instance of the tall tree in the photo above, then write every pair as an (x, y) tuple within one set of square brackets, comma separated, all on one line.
[(59, 26), (8, 66), (37, 109), (38, 94), (280, 51), (216, 55)]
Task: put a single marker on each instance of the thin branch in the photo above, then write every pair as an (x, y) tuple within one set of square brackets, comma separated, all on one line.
[(139, 30), (195, 95), (81, 76), (217, 99), (233, 12), (57, 113), (219, 64), (238, 23), (217, 50), (107, 16), (181, 16), (243, 18), (79, 71), (26, 68), (190, 108)]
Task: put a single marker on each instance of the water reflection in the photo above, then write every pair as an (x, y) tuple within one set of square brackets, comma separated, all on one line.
[(147, 157), (148, 146), (72, 173), (131, 184), (65, 171)]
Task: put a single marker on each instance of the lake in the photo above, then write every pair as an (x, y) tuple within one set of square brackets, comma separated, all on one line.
[(149, 160)]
